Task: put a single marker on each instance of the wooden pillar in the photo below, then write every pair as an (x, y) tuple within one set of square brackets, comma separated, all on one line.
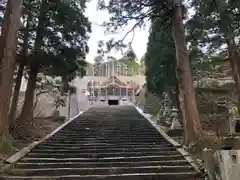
[(106, 93), (107, 70)]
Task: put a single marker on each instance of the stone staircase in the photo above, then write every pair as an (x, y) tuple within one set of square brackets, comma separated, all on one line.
[(110, 143)]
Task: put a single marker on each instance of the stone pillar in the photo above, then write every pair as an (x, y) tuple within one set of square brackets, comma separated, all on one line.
[(209, 163), (234, 117), (228, 163), (232, 126)]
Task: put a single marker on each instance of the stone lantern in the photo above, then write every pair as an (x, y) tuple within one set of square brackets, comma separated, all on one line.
[(167, 110), (234, 119), (167, 115), (175, 119)]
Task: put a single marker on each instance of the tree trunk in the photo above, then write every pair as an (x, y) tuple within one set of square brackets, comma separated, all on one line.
[(16, 92), (5, 28), (64, 86), (232, 47), (27, 110), (22, 63), (8, 59), (177, 96), (178, 106), (189, 111), (233, 59)]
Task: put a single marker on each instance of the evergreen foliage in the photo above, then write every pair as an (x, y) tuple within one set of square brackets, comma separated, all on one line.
[(64, 36), (160, 60)]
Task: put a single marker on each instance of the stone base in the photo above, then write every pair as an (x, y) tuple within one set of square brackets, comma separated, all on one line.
[(230, 142), (228, 162)]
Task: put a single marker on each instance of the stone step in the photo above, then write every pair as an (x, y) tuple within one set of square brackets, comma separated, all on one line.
[(101, 150), (96, 144), (130, 135), (89, 129), (72, 141), (101, 170), (100, 155), (109, 159), (114, 132), (117, 138), (118, 145), (136, 176), (26, 165), (99, 126), (102, 146), (109, 137)]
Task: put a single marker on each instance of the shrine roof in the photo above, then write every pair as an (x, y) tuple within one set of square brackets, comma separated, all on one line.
[(114, 80)]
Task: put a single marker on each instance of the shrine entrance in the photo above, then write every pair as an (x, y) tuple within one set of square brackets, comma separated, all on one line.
[(112, 91), (113, 102)]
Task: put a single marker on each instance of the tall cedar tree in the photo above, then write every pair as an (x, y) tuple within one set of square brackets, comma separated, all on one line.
[(7, 55), (160, 60)]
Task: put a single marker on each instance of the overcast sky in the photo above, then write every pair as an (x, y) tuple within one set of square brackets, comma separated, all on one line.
[(97, 17)]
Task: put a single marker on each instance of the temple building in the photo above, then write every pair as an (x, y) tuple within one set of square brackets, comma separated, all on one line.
[(113, 81)]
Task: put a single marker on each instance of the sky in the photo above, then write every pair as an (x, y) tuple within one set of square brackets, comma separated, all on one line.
[(97, 17)]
